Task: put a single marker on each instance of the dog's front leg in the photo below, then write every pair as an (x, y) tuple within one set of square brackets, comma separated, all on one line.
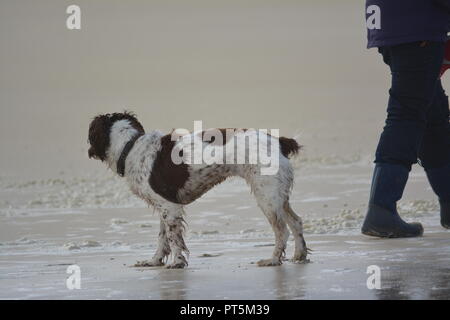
[(162, 251), (173, 220)]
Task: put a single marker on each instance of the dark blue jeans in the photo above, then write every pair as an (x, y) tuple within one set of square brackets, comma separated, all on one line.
[(417, 124)]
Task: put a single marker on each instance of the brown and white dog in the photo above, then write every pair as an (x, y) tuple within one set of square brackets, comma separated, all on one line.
[(145, 161)]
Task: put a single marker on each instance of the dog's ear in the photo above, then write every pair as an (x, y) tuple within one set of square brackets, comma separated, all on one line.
[(99, 130)]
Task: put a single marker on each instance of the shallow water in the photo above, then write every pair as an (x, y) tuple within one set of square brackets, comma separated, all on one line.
[(226, 234), (299, 66)]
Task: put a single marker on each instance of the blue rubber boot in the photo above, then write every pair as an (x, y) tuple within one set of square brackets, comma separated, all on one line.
[(439, 179), (382, 219)]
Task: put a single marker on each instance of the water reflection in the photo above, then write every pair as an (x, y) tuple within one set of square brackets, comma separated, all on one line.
[(172, 284), (422, 283), (290, 282)]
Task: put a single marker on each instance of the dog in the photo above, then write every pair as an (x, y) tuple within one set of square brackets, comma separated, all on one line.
[(145, 160)]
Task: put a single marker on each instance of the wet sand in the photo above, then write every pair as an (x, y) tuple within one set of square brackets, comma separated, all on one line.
[(226, 235), (299, 66)]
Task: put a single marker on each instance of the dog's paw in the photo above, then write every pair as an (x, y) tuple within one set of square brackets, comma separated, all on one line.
[(149, 263), (300, 258), (300, 261), (269, 262), (177, 265)]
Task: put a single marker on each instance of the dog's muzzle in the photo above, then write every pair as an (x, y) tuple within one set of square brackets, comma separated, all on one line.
[(91, 153)]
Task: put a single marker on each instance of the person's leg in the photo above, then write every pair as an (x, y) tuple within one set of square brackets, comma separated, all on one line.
[(434, 153), (415, 70)]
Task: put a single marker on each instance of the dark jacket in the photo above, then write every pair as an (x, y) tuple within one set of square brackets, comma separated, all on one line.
[(391, 22)]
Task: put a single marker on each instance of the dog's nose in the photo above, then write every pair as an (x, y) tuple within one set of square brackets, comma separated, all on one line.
[(91, 153)]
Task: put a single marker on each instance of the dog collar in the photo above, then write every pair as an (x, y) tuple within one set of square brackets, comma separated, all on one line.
[(123, 156)]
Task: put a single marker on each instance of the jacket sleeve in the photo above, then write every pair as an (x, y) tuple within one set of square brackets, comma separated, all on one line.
[(443, 4)]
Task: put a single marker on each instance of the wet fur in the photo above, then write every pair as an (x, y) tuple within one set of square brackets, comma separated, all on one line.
[(167, 187)]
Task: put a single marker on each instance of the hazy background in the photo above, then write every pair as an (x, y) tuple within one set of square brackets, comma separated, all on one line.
[(300, 66)]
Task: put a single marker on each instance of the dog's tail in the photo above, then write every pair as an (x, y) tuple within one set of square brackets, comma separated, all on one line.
[(289, 147)]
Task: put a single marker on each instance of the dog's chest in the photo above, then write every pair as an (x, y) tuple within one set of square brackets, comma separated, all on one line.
[(138, 168)]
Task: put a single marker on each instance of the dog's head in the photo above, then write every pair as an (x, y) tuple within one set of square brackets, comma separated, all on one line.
[(100, 129)]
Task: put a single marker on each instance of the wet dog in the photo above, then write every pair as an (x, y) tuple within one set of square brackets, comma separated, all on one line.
[(146, 161)]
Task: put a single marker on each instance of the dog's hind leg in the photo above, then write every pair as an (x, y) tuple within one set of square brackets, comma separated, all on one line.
[(279, 227), (296, 226), (281, 236), (172, 215)]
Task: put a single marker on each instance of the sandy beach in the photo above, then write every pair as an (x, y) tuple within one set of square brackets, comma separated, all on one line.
[(299, 66), (106, 233)]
